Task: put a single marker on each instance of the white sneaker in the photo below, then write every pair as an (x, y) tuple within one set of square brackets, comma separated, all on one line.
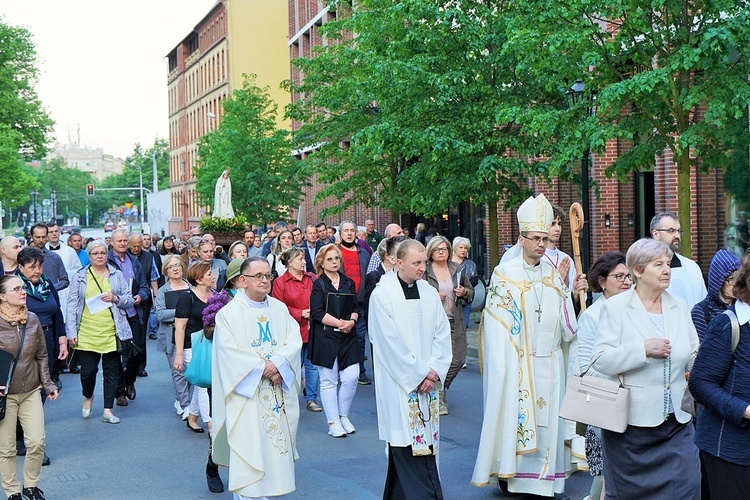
[(348, 427), (336, 430), (178, 407)]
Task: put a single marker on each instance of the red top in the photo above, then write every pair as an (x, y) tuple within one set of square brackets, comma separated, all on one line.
[(351, 265), (296, 295)]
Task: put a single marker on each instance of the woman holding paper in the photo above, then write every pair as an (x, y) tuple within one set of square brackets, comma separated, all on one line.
[(455, 292), (333, 345), (99, 297), (22, 338)]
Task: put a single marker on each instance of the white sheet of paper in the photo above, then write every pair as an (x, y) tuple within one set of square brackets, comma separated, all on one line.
[(96, 304)]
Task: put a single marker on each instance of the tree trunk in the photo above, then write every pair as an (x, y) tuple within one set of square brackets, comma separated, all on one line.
[(494, 245)]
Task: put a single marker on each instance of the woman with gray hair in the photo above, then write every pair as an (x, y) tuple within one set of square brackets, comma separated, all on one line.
[(647, 338), (455, 291), (466, 266), (94, 331)]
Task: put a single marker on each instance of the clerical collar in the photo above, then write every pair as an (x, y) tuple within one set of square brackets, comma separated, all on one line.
[(676, 262), (250, 302), (54, 248), (411, 290)]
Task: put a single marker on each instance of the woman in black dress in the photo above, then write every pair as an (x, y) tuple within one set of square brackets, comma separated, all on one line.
[(188, 319), (334, 348)]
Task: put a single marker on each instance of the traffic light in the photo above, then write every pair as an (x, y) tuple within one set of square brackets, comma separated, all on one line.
[(90, 189)]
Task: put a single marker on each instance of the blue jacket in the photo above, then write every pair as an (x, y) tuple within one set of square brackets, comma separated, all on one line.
[(720, 382), (723, 264)]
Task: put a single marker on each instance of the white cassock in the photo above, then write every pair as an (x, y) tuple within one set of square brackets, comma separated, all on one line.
[(524, 372), (687, 282), (254, 422), (72, 264), (408, 337)]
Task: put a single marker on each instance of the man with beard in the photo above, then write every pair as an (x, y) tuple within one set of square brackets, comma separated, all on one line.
[(687, 279)]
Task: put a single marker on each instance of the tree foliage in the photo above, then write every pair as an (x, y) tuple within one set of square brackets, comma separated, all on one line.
[(25, 126), (68, 183), (265, 179), (670, 77)]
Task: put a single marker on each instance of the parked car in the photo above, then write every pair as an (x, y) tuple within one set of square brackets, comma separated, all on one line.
[(109, 226), (70, 229)]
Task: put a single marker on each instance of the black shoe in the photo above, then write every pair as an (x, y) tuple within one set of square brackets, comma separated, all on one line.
[(75, 369), (143, 373), (121, 401), (33, 493), (152, 336), (215, 484), (45, 460), (20, 448), (15, 496), (363, 380)]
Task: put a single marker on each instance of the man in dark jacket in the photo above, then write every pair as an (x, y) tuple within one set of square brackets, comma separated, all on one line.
[(133, 272), (151, 275), (354, 266), (311, 245)]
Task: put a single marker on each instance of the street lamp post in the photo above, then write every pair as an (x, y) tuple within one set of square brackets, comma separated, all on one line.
[(53, 198), (576, 96), (140, 190), (34, 195)]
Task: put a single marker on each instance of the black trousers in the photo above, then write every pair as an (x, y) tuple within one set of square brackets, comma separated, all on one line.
[(131, 363), (726, 480), (111, 368), (146, 311), (410, 477)]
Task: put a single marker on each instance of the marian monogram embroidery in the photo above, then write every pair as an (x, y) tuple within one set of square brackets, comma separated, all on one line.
[(264, 333)]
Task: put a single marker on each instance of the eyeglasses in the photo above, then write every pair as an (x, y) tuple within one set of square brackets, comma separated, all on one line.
[(441, 250), (174, 266), (18, 289), (670, 230), (537, 239), (259, 276), (621, 277), (335, 258)]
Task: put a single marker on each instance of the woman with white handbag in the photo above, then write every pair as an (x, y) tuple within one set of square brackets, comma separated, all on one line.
[(646, 336)]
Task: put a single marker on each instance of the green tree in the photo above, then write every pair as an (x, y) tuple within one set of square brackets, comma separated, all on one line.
[(670, 78), (266, 182), (25, 126), (68, 183), (420, 97)]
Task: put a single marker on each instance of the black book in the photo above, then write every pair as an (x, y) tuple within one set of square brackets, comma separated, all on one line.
[(6, 363), (170, 298), (340, 306)]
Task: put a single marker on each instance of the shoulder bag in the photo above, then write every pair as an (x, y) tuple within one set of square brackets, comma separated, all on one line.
[(596, 401), (4, 399), (198, 371), (126, 347)]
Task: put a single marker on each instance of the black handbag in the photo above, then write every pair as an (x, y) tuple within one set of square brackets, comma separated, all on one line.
[(4, 399)]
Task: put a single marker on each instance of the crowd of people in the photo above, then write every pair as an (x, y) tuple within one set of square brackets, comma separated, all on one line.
[(293, 315)]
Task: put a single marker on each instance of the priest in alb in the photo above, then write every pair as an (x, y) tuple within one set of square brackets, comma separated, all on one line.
[(255, 384), (526, 326), (411, 339)]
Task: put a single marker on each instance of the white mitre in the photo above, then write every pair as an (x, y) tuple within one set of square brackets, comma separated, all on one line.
[(535, 214)]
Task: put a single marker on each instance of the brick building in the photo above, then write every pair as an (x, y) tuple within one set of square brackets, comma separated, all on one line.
[(235, 37)]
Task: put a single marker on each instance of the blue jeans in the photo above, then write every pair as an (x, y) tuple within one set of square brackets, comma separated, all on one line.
[(312, 379), (153, 324)]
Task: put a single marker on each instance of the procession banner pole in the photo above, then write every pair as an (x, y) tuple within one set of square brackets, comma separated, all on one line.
[(576, 224)]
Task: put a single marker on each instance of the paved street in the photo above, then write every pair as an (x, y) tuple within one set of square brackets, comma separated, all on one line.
[(151, 454)]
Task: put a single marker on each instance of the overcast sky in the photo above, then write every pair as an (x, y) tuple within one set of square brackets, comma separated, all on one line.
[(102, 64)]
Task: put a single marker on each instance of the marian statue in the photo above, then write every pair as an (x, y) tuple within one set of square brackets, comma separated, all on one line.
[(223, 197)]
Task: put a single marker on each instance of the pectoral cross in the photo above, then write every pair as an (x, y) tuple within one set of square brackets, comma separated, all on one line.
[(538, 312)]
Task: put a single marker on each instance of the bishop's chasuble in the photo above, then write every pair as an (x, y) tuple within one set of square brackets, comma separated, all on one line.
[(526, 324), (408, 338), (254, 422)]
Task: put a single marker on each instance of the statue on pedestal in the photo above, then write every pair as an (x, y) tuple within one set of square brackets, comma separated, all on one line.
[(223, 197)]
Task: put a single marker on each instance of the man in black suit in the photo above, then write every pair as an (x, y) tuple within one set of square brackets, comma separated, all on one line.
[(311, 245)]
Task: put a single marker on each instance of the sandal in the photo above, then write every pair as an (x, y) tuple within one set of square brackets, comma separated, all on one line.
[(313, 406)]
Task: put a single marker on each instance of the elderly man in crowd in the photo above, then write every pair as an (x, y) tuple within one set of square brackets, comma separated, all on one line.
[(151, 275), (206, 254), (391, 230), (9, 248)]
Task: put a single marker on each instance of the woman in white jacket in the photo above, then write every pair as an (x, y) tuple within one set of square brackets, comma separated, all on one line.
[(646, 337)]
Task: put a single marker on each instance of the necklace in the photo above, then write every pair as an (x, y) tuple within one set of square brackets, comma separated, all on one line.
[(538, 297)]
